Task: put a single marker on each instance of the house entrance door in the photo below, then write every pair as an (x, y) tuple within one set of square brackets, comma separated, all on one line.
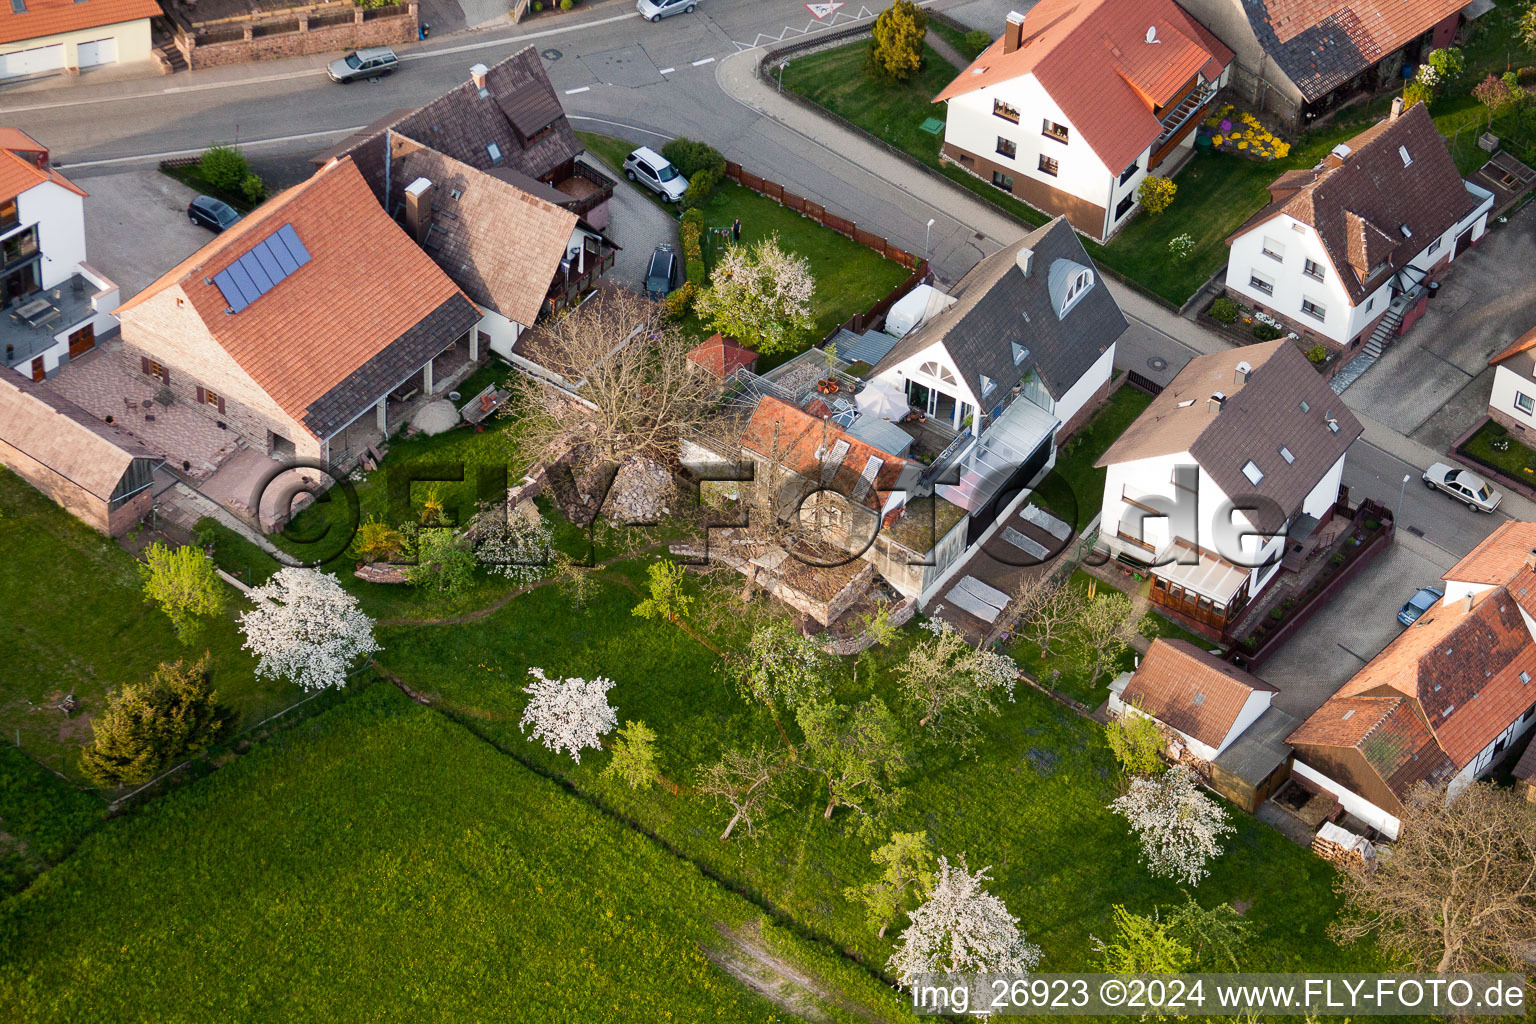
[(82, 341), (38, 373)]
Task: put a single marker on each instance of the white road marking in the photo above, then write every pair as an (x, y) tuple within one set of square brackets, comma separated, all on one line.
[(616, 124), (75, 164), (665, 71), (701, 63), (763, 39), (573, 92)]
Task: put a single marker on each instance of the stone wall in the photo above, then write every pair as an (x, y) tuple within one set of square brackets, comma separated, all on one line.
[(74, 499), (384, 31)]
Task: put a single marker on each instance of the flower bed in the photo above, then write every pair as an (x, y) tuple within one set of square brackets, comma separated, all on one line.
[(1239, 132)]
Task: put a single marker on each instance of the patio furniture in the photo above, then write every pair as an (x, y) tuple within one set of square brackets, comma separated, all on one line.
[(30, 311)]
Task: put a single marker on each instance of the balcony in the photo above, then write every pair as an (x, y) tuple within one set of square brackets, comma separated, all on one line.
[(1181, 117), (34, 323)]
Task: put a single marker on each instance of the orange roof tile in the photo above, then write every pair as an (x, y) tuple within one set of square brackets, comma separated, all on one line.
[(366, 285), (48, 17), (24, 164), (1498, 558), (1191, 690), (806, 445), (1389, 734), (722, 356), (1093, 58), (1524, 343)]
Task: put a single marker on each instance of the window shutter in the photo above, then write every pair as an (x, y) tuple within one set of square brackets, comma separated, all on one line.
[(144, 363), (221, 405), (202, 396), (165, 375)]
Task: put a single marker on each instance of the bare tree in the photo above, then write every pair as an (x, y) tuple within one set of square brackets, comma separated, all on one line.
[(949, 684), (1458, 890), (629, 368), (1046, 606), (745, 780)]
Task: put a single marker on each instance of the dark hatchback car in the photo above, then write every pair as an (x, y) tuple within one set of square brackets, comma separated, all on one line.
[(664, 274), (211, 213)]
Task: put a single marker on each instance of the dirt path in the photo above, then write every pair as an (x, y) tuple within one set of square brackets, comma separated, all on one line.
[(747, 959)]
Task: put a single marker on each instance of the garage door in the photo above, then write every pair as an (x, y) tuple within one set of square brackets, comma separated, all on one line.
[(30, 62), (101, 51)]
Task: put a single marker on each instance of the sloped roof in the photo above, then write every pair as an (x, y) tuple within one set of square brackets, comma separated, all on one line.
[(497, 242), (996, 307), (1360, 207), (1261, 414), (64, 437), (1093, 58), (368, 309), (1191, 690), (1321, 44), (24, 165), (50, 17), (1498, 557), (1524, 343), (722, 356), (1387, 732), (805, 444)]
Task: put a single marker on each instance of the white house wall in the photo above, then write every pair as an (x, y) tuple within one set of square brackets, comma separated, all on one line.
[(503, 333), (1326, 493), (1296, 243), (1354, 803), (1088, 385), (1507, 384), (60, 218), (898, 375), (1254, 707), (972, 126), (133, 42)]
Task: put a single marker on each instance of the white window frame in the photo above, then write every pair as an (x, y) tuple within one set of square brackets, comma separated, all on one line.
[(1273, 249), (1524, 403), (1315, 310), (1258, 283)]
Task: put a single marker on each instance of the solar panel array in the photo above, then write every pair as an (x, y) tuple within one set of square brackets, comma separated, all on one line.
[(259, 270)]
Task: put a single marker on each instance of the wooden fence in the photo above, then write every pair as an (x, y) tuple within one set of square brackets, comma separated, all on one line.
[(815, 211)]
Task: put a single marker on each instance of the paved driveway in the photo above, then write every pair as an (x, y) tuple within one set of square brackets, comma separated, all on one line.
[(136, 226), (638, 225), (1434, 383)]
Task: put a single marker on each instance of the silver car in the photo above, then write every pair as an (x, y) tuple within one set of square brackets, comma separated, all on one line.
[(369, 63), (1463, 485), (655, 10), (656, 173)]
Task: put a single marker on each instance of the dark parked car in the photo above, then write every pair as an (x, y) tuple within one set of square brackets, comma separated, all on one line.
[(369, 63), (1418, 604), (211, 213), (664, 274)]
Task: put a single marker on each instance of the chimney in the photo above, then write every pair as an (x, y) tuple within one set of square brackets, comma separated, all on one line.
[(1026, 261), (1013, 32), (1466, 604), (1397, 108), (1244, 371), (1337, 157), (477, 75), (1530, 559), (418, 209), (1218, 400)]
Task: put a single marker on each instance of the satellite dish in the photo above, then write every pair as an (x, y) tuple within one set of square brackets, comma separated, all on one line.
[(1152, 34)]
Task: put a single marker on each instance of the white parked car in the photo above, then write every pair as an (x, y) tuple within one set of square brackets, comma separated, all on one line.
[(1463, 485), (656, 173), (655, 10)]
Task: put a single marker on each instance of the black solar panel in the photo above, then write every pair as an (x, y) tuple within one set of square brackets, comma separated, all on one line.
[(262, 268)]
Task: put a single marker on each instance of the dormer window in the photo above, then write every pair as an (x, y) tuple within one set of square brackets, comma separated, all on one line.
[(1020, 353), (1080, 284), (495, 154)]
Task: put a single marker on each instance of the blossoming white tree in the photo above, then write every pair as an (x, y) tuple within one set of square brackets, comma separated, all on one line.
[(949, 684), (961, 929), (1179, 827), (568, 714), (513, 542), (760, 294), (306, 628)]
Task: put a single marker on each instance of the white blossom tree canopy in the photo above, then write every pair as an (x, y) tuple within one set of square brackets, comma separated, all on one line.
[(568, 714), (513, 542), (306, 628), (961, 929), (1179, 827), (760, 294)]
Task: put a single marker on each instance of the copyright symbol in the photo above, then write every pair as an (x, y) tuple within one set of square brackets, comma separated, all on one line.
[(1112, 992), (320, 535)]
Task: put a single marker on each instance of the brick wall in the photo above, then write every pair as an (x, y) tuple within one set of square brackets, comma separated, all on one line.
[(388, 31), (74, 499), (1081, 214)]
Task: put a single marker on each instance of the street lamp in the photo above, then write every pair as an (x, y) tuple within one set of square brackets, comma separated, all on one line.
[(1397, 516), (927, 237)]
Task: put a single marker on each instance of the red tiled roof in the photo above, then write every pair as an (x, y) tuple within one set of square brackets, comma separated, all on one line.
[(366, 285), (804, 444), (24, 164), (1191, 690), (1498, 558), (49, 17), (722, 356), (1093, 58), (1388, 733)]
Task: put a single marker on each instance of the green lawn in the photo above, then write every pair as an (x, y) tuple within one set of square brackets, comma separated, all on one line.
[(77, 623), (1075, 487), (381, 862), (42, 817), (1516, 460), (850, 278)]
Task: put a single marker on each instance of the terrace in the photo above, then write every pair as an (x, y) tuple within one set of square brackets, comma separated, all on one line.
[(43, 320)]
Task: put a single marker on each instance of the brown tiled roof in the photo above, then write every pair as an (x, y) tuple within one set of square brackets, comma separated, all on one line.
[(369, 308), (1191, 690), (462, 124), (1259, 416), (1321, 44), (64, 437), (1499, 557), (803, 443), (1359, 208), (1387, 732), (50, 17), (500, 244), (1093, 58), (722, 356), (1524, 343), (24, 164), (360, 136)]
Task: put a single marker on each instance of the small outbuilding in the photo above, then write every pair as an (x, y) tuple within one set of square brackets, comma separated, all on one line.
[(722, 356)]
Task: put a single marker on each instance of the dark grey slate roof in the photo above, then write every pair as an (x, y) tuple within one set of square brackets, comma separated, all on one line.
[(996, 306), (1261, 748), (394, 363)]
